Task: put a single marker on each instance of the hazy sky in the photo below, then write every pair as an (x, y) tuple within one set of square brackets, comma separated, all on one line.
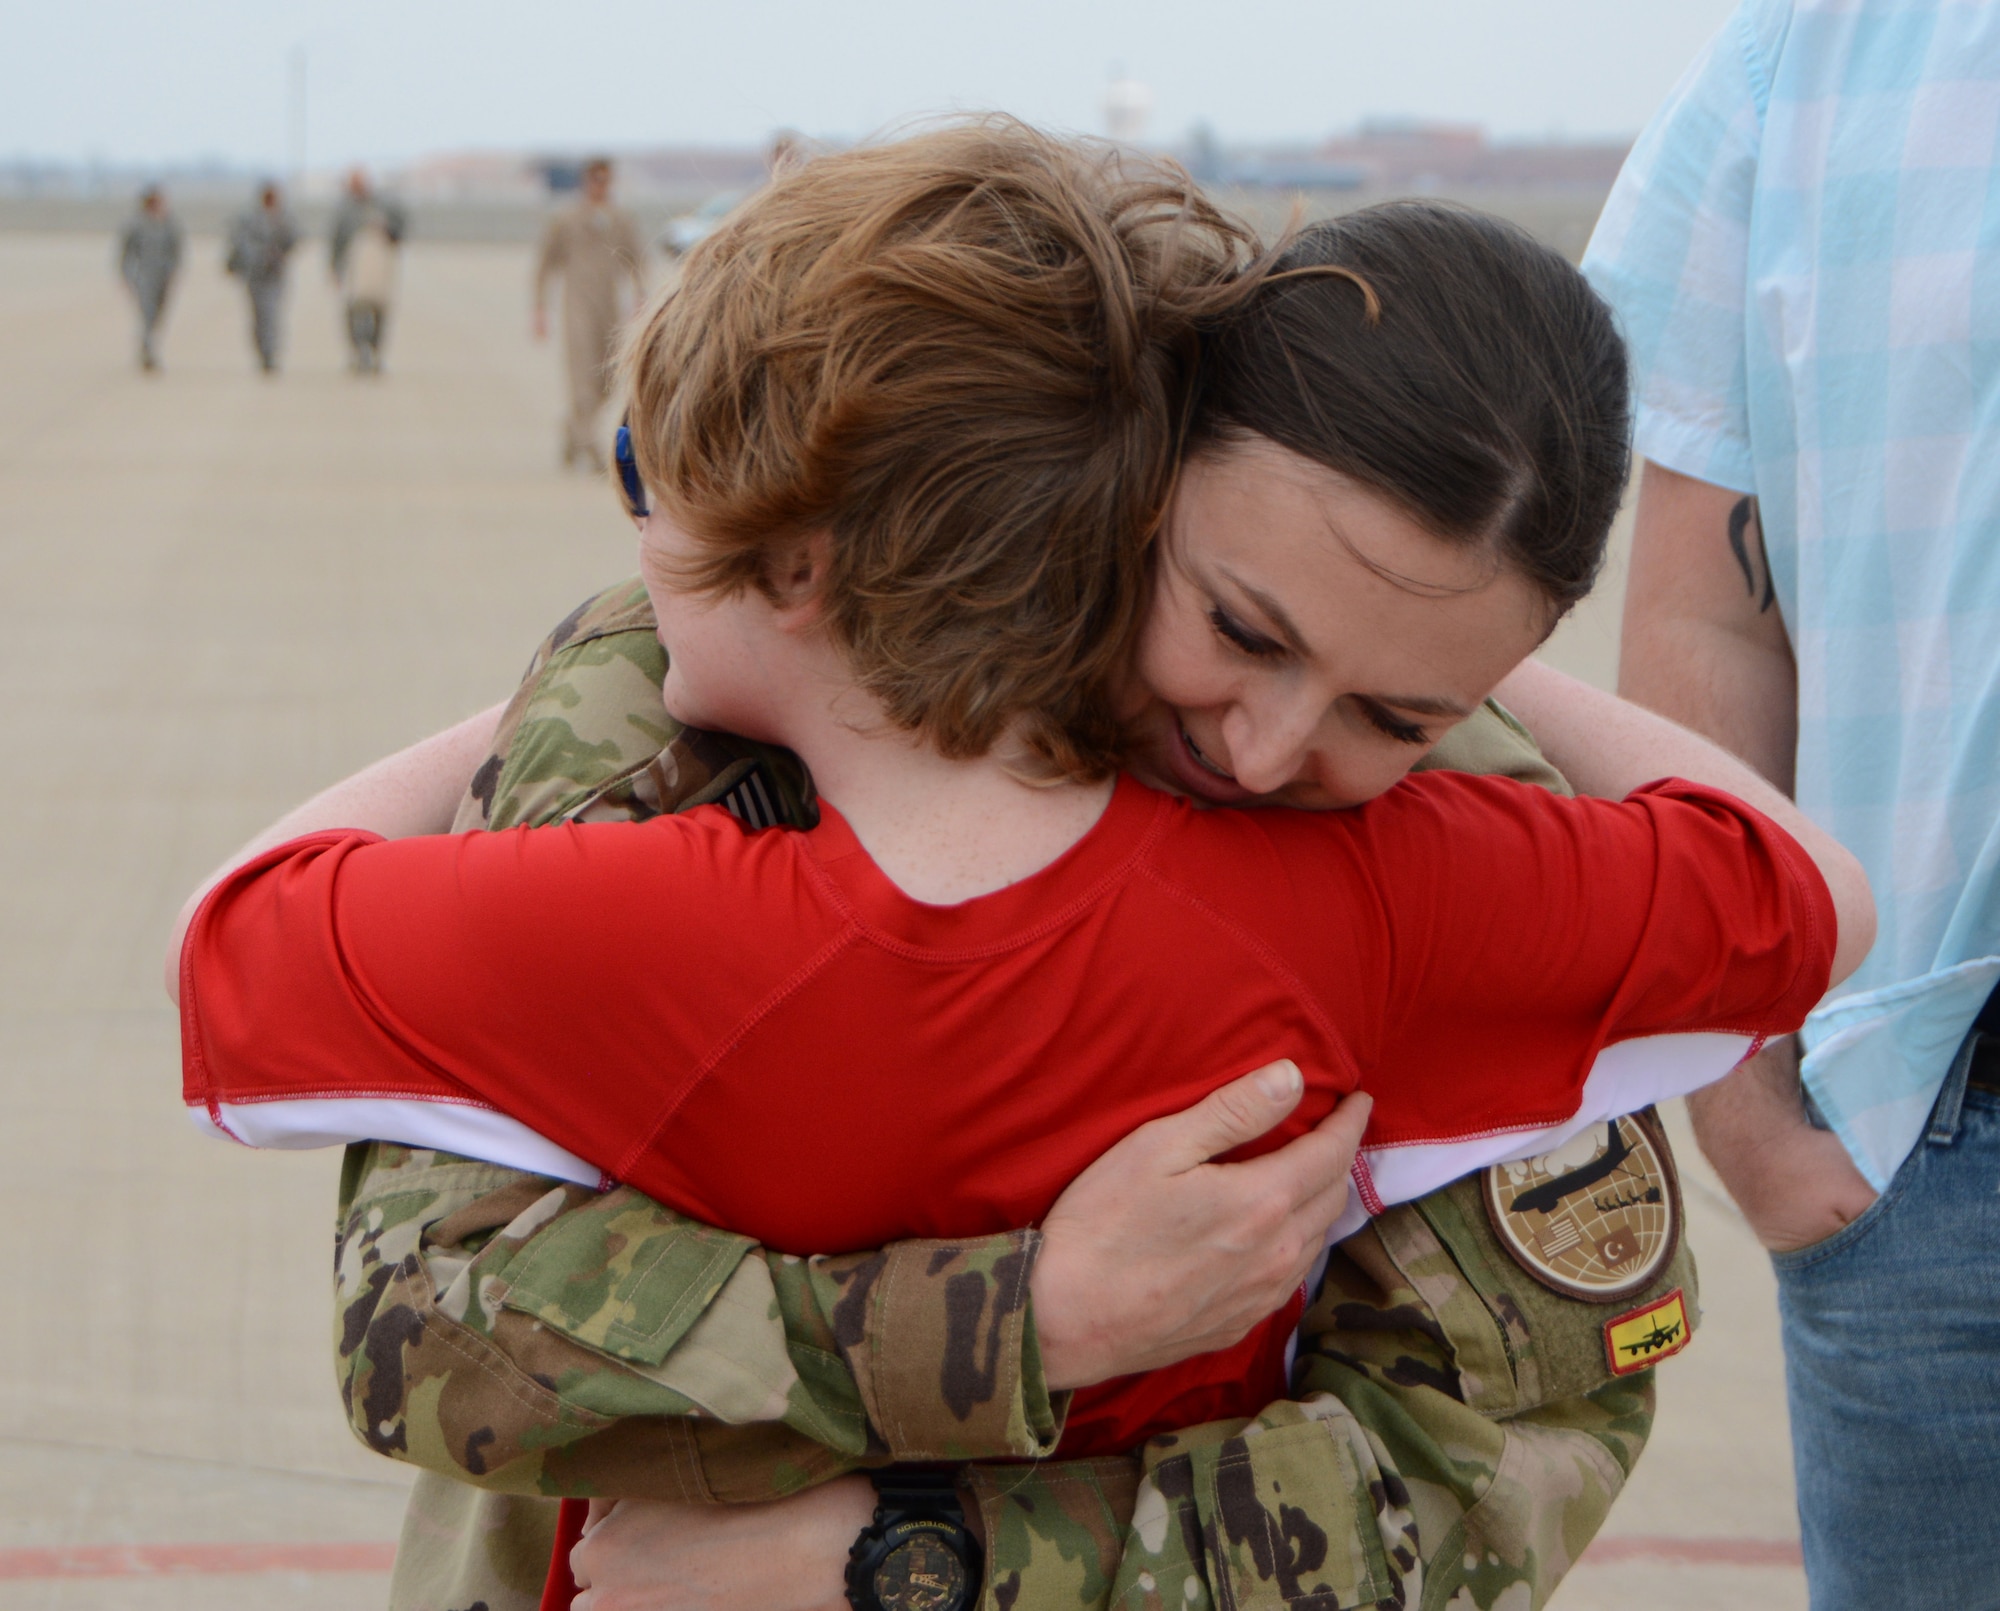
[(139, 80)]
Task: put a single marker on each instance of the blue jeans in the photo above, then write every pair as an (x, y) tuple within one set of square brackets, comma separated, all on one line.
[(1892, 1366)]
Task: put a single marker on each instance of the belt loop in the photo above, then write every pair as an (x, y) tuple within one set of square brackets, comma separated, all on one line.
[(1944, 1115)]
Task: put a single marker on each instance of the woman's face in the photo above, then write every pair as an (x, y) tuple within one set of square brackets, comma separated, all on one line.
[(1308, 642)]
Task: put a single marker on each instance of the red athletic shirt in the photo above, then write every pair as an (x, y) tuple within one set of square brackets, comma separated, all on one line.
[(761, 1031)]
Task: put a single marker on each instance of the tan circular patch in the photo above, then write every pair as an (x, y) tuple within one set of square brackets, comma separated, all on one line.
[(1599, 1217)]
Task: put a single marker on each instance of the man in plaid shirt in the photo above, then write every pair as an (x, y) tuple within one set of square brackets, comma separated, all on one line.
[(1802, 250)]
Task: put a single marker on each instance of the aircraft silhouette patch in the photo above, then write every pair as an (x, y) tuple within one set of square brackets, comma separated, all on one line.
[(1599, 1217), (1647, 1334)]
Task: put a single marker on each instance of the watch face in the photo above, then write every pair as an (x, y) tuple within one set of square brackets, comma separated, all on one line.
[(920, 1574)]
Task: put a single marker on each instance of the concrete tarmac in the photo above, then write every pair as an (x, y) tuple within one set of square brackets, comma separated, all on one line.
[(219, 592)]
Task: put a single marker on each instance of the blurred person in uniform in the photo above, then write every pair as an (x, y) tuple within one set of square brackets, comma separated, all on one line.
[(149, 255), (367, 232), (594, 247), (260, 240), (1799, 252)]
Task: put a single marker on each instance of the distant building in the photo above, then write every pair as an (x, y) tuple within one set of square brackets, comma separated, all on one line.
[(471, 176), (694, 170), (1399, 156), (670, 172), (1407, 154), (1291, 170)]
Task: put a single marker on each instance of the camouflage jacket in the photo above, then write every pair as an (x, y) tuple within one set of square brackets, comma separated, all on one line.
[(1456, 1439)]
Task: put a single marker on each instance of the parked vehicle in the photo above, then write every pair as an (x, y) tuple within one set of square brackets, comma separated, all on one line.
[(682, 234)]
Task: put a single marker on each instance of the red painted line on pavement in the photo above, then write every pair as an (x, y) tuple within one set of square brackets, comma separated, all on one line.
[(1696, 1551), (232, 1560), (192, 1560)]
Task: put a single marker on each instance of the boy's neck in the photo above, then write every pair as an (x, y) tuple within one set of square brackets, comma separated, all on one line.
[(941, 831)]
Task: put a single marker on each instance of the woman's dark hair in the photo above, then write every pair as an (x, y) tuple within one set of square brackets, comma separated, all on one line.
[(1453, 365)]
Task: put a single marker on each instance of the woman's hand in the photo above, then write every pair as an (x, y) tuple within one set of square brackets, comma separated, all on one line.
[(1154, 1254), (791, 1555)]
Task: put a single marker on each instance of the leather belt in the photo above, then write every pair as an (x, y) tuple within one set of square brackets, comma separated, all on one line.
[(1984, 1072)]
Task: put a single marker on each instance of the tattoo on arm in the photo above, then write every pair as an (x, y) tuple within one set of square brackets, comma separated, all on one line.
[(1742, 519)]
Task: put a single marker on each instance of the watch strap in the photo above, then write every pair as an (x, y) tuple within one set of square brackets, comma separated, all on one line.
[(917, 1488)]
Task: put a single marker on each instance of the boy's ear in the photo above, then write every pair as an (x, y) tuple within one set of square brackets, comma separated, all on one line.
[(800, 575)]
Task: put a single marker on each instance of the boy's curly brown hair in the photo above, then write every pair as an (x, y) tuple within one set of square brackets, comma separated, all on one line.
[(967, 357)]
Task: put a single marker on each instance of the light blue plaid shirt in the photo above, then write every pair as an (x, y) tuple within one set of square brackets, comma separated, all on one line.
[(1804, 251)]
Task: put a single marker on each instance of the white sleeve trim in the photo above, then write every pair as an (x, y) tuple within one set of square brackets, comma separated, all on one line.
[(1625, 1078), (460, 1127)]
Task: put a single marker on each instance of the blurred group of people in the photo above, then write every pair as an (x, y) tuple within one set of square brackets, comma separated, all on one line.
[(364, 237), (592, 249)]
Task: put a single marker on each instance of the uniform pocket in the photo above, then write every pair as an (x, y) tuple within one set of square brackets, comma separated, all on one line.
[(1265, 1501), (624, 1275)]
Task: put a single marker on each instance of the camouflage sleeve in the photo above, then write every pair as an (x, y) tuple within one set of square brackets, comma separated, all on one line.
[(1491, 741), (535, 1337)]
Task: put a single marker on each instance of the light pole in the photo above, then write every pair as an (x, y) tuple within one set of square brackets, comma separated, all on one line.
[(297, 119)]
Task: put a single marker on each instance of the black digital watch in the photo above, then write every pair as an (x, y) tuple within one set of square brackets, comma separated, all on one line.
[(917, 1554)]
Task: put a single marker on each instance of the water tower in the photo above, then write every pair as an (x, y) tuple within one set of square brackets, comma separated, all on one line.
[(1128, 104)]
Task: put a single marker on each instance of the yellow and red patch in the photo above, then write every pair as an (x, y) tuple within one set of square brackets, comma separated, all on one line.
[(1642, 1336)]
